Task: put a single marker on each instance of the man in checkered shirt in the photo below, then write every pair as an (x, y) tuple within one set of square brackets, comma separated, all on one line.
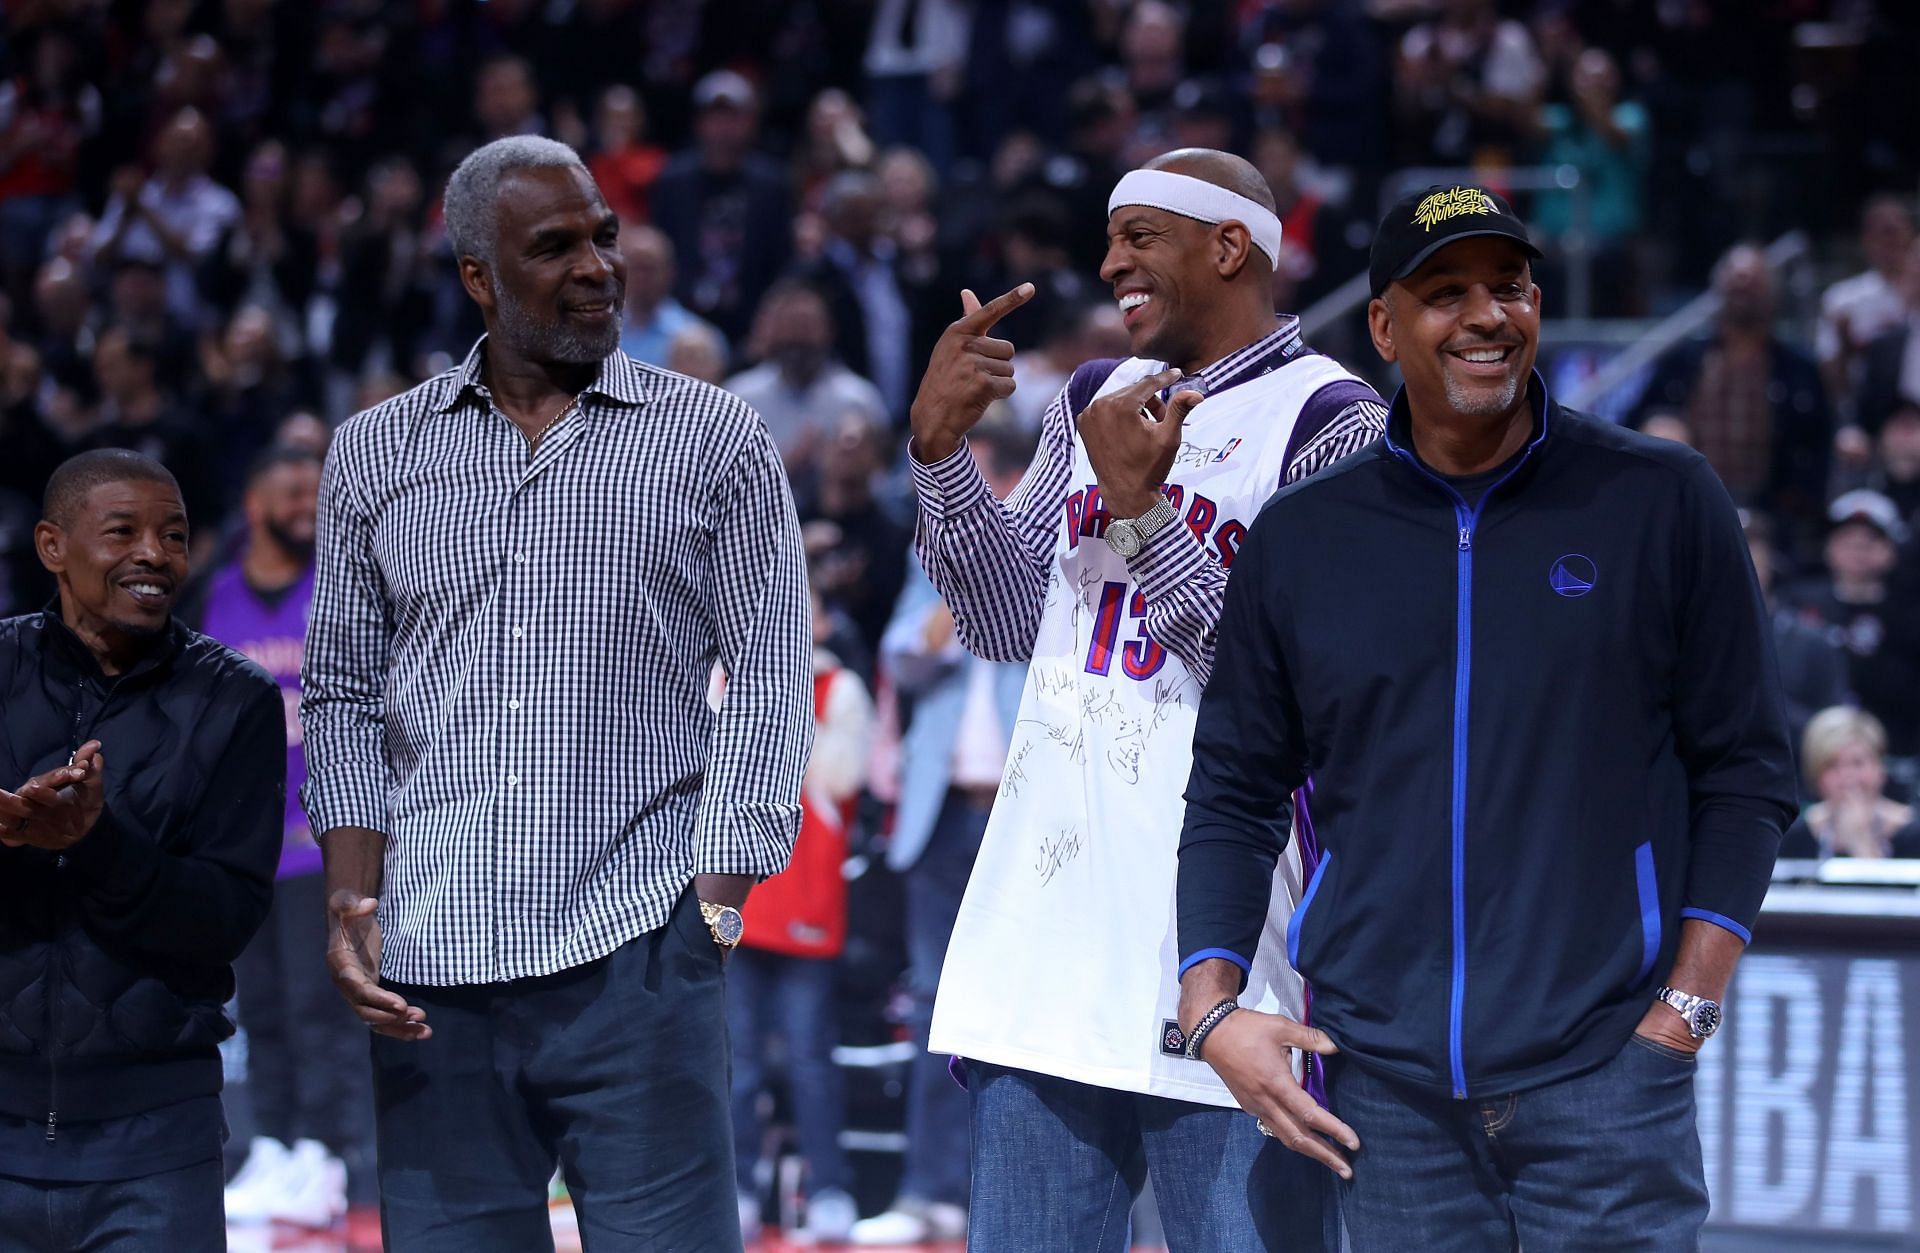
[(537, 833)]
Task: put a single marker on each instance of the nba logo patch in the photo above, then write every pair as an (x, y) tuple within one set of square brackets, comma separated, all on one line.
[(1226, 452), (1173, 1041)]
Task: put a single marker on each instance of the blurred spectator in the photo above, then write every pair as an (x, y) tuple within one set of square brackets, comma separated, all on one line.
[(858, 548), (309, 1087), (725, 207), (1468, 86), (1898, 472), (916, 52), (506, 101), (654, 319), (1844, 758), (265, 259), (780, 979), (1036, 247), (1153, 64), (173, 218), (388, 275), (1890, 363), (1859, 603), (835, 140), (1857, 310), (699, 351), (137, 301), (1664, 425), (46, 112), (62, 306), (799, 388), (306, 432), (952, 759), (1318, 73), (1813, 669), (922, 261), (1606, 139), (623, 163), (135, 413), (1101, 122), (857, 274), (1321, 244), (249, 388), (1754, 403)]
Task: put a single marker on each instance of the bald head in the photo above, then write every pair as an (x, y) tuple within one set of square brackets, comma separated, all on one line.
[(1222, 169)]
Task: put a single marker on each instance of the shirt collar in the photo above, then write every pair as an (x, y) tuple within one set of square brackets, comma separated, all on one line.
[(619, 380), (1269, 352)]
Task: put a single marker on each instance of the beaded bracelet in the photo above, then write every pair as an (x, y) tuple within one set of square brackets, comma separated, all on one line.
[(1208, 1021)]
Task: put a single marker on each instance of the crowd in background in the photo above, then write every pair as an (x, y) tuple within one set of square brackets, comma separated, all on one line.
[(220, 235)]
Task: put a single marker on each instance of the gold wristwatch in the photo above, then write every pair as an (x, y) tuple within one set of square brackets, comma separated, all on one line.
[(725, 922)]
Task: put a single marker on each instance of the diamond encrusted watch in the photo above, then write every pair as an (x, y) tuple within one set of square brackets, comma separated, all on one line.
[(1127, 536), (725, 922), (1702, 1015)]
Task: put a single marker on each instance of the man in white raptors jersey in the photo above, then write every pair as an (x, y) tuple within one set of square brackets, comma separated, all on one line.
[(1106, 569)]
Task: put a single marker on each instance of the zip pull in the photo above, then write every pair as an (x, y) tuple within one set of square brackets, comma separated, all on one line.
[(52, 1120), (1466, 538)]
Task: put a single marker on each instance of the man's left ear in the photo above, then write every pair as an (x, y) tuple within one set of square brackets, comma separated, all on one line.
[(1233, 248), (50, 544)]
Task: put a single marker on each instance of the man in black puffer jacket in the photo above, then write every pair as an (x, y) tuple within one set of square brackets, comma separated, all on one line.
[(137, 852)]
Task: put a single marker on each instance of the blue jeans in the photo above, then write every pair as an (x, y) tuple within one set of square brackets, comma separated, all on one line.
[(789, 998), (1057, 1165), (1608, 1160), (163, 1213), (936, 1160), (616, 1070)]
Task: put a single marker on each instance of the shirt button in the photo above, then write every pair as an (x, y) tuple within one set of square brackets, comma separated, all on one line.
[(521, 558), (513, 704), (513, 780), (517, 633)]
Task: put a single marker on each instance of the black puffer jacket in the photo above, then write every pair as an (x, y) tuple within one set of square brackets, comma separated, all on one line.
[(116, 956)]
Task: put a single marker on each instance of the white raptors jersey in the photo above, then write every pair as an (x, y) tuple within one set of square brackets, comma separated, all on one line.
[(1063, 960)]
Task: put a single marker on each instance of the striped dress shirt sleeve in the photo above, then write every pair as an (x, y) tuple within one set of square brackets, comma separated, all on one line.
[(989, 557)]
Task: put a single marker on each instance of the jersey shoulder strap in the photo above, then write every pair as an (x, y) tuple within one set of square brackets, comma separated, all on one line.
[(1087, 380)]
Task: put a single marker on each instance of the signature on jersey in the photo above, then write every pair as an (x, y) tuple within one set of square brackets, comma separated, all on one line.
[(1057, 851), (1016, 770)]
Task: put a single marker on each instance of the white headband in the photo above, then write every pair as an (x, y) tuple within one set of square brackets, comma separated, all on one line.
[(1200, 200)]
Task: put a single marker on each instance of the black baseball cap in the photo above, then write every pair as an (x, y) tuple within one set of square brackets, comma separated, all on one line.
[(1420, 224)]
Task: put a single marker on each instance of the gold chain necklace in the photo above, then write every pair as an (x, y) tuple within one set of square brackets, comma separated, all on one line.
[(537, 436)]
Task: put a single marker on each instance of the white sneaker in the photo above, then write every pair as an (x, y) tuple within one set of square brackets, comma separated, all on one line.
[(257, 1180), (313, 1187), (911, 1222), (831, 1215), (947, 1221)]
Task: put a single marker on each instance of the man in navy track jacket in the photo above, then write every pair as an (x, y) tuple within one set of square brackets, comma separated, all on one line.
[(1512, 666)]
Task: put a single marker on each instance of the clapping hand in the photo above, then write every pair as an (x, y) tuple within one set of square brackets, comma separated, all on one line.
[(57, 809)]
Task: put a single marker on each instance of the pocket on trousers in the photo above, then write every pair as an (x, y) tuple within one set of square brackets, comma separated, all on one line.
[(1662, 1050)]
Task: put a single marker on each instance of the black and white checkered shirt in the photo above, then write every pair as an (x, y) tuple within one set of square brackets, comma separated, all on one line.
[(508, 658)]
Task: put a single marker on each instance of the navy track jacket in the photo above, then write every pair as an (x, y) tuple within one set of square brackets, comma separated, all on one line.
[(1532, 736)]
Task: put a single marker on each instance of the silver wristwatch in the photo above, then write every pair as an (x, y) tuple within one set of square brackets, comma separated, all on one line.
[(1702, 1015), (1127, 536)]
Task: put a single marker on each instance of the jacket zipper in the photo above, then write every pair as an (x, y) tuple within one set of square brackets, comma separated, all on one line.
[(1466, 520), (53, 982)]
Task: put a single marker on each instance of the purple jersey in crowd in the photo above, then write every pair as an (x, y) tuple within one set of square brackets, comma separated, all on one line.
[(272, 631)]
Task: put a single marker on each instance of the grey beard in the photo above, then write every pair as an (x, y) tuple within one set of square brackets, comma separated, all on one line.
[(1479, 404), (551, 341)]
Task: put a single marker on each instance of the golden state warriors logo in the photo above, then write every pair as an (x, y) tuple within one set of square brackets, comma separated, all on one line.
[(1455, 202)]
